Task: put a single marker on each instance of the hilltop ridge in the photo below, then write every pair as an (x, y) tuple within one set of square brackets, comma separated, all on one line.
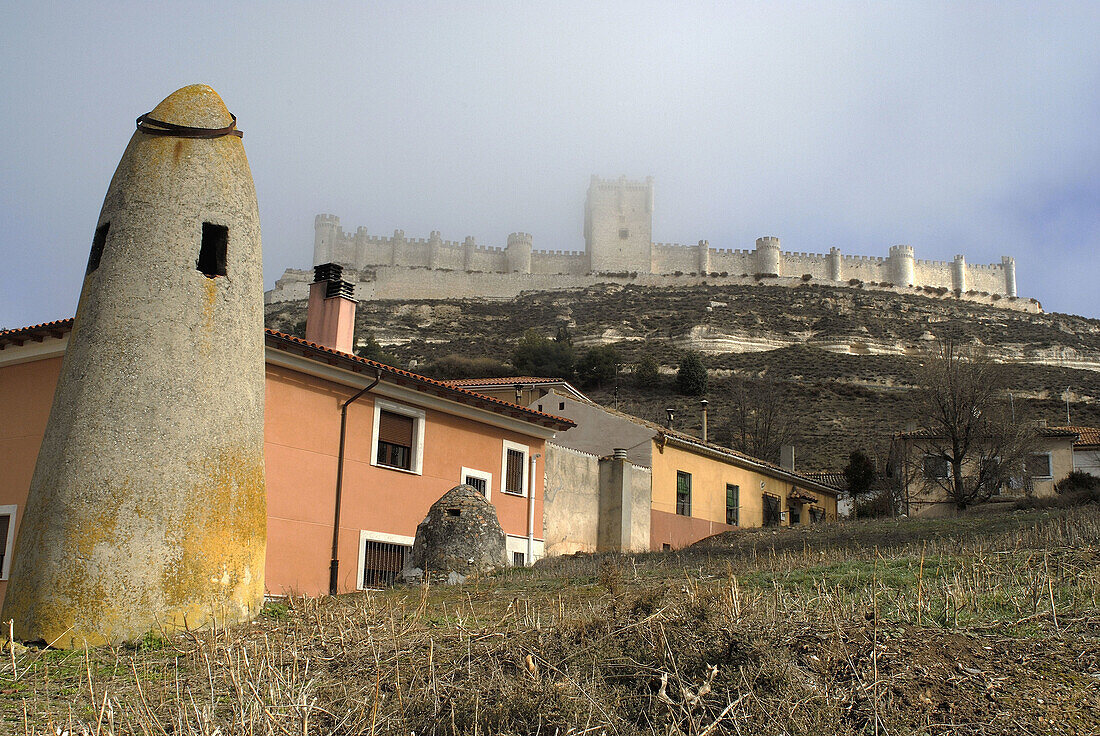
[(845, 355)]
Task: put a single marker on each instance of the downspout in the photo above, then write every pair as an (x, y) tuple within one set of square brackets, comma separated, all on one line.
[(334, 565), (531, 512)]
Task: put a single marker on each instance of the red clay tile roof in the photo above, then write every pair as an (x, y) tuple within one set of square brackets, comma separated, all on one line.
[(281, 341), (502, 381), (832, 478), (1087, 437), (1041, 431), (35, 333)]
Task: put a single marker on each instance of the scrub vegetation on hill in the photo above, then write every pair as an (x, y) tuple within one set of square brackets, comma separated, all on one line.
[(987, 624), (838, 401)]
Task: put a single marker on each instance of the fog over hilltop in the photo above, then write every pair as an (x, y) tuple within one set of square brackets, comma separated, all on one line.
[(955, 129)]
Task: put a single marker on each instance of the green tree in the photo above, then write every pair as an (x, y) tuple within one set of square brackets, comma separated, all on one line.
[(859, 473), (598, 366), (646, 372), (691, 378), (537, 355)]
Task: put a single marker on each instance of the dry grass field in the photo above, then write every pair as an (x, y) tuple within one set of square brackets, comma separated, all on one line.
[(989, 624)]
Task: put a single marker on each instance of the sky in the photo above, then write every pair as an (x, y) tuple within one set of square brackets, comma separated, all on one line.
[(953, 127)]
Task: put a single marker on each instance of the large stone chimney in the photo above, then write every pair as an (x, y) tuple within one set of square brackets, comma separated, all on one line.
[(330, 318)]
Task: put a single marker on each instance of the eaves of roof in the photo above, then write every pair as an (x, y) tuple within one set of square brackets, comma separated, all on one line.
[(725, 453), (289, 343), (35, 333)]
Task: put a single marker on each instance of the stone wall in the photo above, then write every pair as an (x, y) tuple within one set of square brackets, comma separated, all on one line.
[(396, 282), (618, 228)]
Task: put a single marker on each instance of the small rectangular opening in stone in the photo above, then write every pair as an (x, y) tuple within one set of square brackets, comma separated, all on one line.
[(98, 241), (453, 512), (212, 252)]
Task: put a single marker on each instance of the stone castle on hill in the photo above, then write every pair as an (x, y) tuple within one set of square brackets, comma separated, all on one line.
[(618, 227)]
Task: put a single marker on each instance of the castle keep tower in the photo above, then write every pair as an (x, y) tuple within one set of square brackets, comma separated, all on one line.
[(147, 506), (618, 225)]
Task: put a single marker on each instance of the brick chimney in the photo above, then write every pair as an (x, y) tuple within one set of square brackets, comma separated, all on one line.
[(330, 319)]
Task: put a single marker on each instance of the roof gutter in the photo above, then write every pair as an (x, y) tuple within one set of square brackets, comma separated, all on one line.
[(334, 564)]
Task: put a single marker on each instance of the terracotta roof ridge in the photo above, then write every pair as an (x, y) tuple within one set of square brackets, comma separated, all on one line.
[(419, 378)]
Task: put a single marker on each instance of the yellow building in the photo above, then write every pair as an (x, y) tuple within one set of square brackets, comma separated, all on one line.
[(616, 482), (701, 489)]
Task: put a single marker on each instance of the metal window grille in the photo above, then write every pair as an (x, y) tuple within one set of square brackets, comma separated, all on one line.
[(518, 559), (733, 504), (478, 484), (817, 515), (513, 474), (383, 562), (683, 493)]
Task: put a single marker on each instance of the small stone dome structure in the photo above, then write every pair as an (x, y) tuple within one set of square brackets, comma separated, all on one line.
[(461, 534)]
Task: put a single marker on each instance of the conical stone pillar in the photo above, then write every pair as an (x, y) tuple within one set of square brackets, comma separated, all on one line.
[(147, 509)]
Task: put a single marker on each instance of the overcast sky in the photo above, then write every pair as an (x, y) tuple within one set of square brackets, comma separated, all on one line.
[(956, 127)]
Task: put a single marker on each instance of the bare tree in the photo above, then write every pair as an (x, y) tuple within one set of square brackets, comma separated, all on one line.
[(761, 421), (967, 426)]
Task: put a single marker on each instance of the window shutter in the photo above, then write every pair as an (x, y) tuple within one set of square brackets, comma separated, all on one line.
[(395, 429), (513, 480)]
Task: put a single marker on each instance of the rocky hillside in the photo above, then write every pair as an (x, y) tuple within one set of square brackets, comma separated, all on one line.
[(844, 357)]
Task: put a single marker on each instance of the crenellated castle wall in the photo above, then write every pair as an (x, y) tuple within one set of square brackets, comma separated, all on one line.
[(617, 226)]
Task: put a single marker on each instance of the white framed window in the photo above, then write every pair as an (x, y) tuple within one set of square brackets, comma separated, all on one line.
[(513, 468), (1039, 465), (382, 557), (479, 479), (397, 441), (7, 538)]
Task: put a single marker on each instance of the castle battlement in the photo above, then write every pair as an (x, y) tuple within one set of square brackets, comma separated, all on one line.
[(618, 226)]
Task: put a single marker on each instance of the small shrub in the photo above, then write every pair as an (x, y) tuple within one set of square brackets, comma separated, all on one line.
[(995, 297), (854, 282), (807, 276), (1077, 481), (691, 378), (276, 610), (647, 373)]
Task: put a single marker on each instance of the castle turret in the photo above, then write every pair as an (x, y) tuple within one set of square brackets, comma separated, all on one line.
[(397, 248), (326, 234), (902, 266), (1008, 263), (618, 225), (958, 273), (768, 255), (836, 265), (362, 248), (518, 253), (146, 511), (469, 246), (702, 257), (435, 246)]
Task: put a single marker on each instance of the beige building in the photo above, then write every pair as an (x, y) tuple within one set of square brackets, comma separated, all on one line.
[(616, 482), (924, 476), (1086, 449)]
